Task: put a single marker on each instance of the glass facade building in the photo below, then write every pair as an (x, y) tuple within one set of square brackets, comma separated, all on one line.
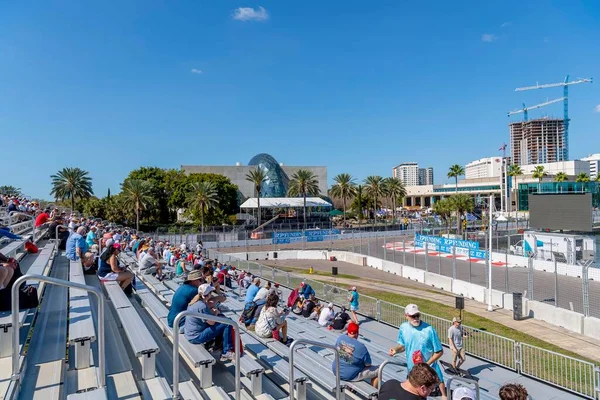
[(277, 181), (557, 187)]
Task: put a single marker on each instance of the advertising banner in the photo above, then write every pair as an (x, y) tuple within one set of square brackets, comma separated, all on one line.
[(467, 248), (317, 235)]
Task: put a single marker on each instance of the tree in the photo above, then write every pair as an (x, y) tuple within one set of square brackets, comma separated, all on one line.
[(359, 203), (444, 209), (454, 172), (10, 190), (539, 174), (561, 177), (515, 171), (71, 183), (461, 203), (202, 198), (394, 188), (137, 194), (582, 177), (343, 188), (257, 177), (374, 187), (303, 183)]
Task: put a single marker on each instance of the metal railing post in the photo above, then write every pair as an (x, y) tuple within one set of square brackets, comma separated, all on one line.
[(426, 257), (16, 376), (56, 231), (207, 317), (404, 250), (378, 309), (454, 262), (382, 366), (338, 389), (28, 216)]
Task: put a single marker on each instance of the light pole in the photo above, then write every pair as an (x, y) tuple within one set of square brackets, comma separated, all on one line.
[(490, 205)]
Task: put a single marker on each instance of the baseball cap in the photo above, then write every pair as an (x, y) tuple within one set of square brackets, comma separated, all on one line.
[(302, 283), (352, 328), (456, 319), (411, 309), (353, 288), (117, 246), (205, 289), (330, 305), (109, 242), (464, 393)]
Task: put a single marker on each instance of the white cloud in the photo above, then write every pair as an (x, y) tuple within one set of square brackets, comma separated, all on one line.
[(507, 23), (250, 14), (597, 108), (196, 71), (488, 37)]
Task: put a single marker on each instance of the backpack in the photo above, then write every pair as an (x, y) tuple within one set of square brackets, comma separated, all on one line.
[(248, 312), (293, 298)]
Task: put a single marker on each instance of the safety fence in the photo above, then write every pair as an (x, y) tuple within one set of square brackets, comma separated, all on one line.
[(577, 376)]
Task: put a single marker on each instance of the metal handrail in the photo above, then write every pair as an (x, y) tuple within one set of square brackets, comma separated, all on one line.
[(382, 366), (338, 390), (10, 215), (16, 375), (465, 380), (56, 230), (207, 317)]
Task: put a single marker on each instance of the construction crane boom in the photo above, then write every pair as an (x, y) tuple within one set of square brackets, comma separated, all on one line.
[(525, 109), (551, 85)]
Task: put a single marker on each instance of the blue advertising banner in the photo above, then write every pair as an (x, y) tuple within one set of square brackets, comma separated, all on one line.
[(317, 235), (467, 248)]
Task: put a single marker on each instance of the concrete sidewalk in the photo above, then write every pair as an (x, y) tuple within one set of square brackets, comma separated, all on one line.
[(563, 338)]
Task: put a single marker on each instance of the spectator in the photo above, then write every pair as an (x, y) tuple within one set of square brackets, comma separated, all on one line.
[(76, 246), (253, 290), (41, 221), (271, 320), (180, 267), (263, 292), (63, 233), (275, 290), (421, 381), (200, 331), (183, 295), (199, 247), (353, 300), (88, 263), (91, 239), (314, 315), (340, 319), (355, 360), (513, 391), (464, 393), (110, 270), (305, 291), (421, 342), (150, 261), (326, 316), (247, 281), (308, 306), (455, 341)]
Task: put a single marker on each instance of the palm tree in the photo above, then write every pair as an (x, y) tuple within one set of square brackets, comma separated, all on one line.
[(444, 209), (375, 189), (344, 188), (303, 183), (10, 190), (454, 172), (137, 194), (461, 203), (394, 188), (561, 177), (539, 174), (202, 198), (515, 171), (582, 177), (257, 177), (71, 183)]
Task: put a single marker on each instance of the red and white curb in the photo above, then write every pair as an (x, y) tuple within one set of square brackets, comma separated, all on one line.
[(399, 246)]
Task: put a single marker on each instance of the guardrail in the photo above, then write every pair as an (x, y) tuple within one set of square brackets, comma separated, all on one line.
[(338, 389), (31, 217), (574, 375)]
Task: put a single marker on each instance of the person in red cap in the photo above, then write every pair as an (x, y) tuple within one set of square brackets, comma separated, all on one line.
[(355, 360)]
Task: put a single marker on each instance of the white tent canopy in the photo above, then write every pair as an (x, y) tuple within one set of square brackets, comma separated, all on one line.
[(285, 202)]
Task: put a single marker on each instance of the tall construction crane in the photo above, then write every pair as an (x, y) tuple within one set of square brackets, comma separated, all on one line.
[(565, 85), (525, 109)]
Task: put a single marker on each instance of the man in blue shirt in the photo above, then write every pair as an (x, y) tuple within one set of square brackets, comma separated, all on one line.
[(91, 238), (183, 295), (353, 300), (421, 343), (305, 291), (252, 290), (76, 247), (355, 360)]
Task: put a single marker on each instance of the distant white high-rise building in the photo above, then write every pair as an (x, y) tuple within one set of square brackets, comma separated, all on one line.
[(594, 160), (489, 167), (411, 175)]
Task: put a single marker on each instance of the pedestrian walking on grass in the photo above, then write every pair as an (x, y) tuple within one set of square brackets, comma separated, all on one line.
[(353, 300)]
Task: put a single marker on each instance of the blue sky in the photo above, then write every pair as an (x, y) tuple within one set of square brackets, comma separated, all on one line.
[(357, 86)]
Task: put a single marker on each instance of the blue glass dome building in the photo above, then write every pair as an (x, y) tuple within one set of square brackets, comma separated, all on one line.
[(277, 181)]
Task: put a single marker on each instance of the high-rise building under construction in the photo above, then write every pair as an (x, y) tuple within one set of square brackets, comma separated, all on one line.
[(538, 141)]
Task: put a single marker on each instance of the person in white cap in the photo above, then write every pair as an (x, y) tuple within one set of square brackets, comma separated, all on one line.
[(455, 341), (464, 393), (200, 331), (326, 315), (421, 343)]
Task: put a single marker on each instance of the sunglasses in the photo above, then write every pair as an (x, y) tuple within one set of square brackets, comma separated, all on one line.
[(416, 316)]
